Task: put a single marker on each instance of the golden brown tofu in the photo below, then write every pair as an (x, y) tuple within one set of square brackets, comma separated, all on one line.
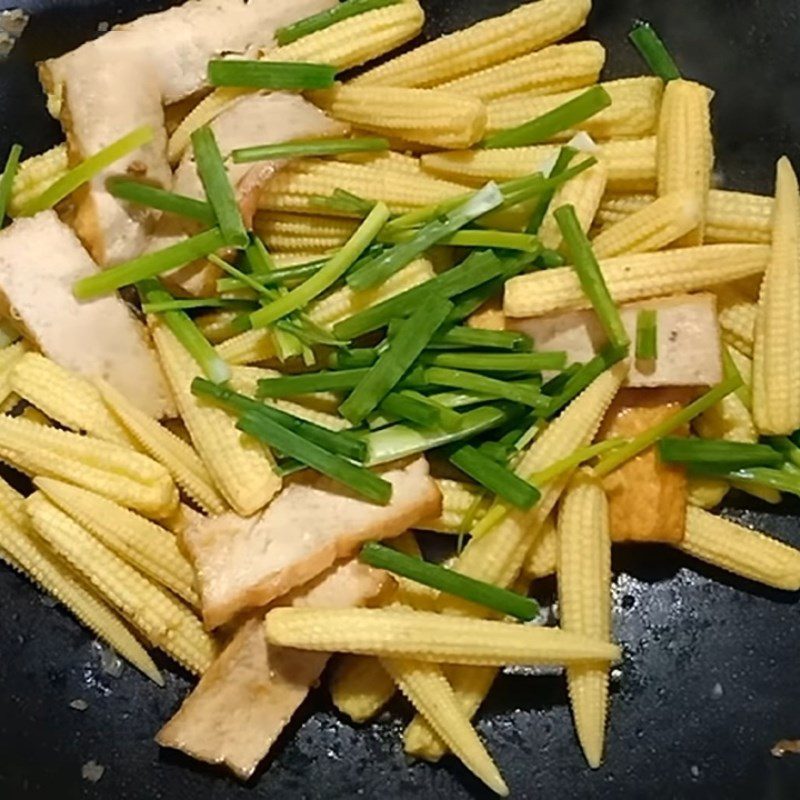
[(647, 498)]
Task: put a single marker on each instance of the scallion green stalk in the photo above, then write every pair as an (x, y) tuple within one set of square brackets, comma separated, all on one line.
[(407, 406), (498, 362), (718, 452), (7, 181), (461, 337), (654, 51), (199, 302), (565, 156), (324, 19), (274, 75), (144, 194), (344, 201), (484, 239), (513, 391), (309, 147), (243, 277), (647, 334)]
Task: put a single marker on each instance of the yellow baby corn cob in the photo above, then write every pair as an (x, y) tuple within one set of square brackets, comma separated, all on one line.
[(555, 69), (776, 354), (492, 41), (419, 683), (216, 325), (617, 207), (429, 637), (240, 466), (360, 687), (652, 228), (542, 559), (745, 367), (65, 397), (686, 148), (161, 618), (35, 174), (27, 553), (302, 232), (637, 276), (293, 188), (344, 302), (729, 420), (633, 111), (737, 318), (179, 458), (706, 492), (123, 475), (458, 499), (736, 549), (584, 192), (250, 347), (427, 116), (584, 597), (631, 164), (146, 546), (346, 44), (9, 358)]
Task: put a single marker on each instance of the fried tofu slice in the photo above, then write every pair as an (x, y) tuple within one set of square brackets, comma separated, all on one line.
[(40, 260), (248, 562), (686, 324), (647, 498), (251, 691)]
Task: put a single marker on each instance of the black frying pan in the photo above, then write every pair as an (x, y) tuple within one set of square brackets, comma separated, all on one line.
[(710, 678)]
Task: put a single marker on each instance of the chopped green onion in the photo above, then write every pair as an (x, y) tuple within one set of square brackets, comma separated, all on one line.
[(450, 582), (341, 444), (275, 75), (654, 51), (258, 257), (787, 448), (590, 276), (496, 478), (247, 280), (566, 116), (328, 275), (497, 451), (186, 332), (751, 477), (199, 302), (484, 239), (462, 337), (7, 181), (404, 405), (549, 259), (730, 369), (324, 19), (87, 170), (514, 391), (649, 437), (498, 362), (718, 452), (400, 441), (144, 194), (647, 334), (382, 267), (354, 358), (311, 383), (344, 201), (149, 265), (219, 189), (309, 147), (295, 446), (279, 277), (289, 466), (565, 156), (403, 351)]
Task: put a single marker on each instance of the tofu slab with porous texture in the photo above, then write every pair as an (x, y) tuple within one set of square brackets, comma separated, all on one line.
[(248, 562), (686, 324), (40, 260), (249, 694), (114, 84)]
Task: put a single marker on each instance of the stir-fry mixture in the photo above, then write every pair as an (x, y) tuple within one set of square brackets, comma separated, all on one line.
[(270, 319)]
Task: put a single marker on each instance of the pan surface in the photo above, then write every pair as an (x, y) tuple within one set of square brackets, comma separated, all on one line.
[(709, 682)]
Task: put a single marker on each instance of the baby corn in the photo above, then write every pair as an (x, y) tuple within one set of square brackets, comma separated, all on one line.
[(584, 601), (737, 318), (9, 358), (686, 148), (630, 163), (419, 682), (250, 347), (706, 492), (360, 687), (179, 458), (429, 637), (144, 545), (731, 547), (426, 116), (118, 473), (490, 42), (584, 193), (26, 553), (162, 619), (240, 466), (302, 233), (65, 397), (35, 174), (542, 560), (776, 355), (458, 499), (654, 227), (216, 326), (558, 68), (633, 111), (294, 187), (636, 277)]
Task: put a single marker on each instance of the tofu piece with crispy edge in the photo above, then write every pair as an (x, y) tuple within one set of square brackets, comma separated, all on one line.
[(248, 562), (109, 86), (249, 694), (40, 260), (646, 497), (686, 324)]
